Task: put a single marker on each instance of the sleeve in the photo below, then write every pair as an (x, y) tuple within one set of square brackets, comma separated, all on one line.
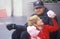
[(54, 27), (14, 26), (21, 27), (56, 18), (50, 20)]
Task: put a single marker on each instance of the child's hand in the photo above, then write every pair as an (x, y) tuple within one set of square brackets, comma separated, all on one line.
[(32, 31), (51, 14)]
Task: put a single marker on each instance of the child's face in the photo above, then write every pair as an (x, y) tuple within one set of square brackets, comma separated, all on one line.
[(40, 22)]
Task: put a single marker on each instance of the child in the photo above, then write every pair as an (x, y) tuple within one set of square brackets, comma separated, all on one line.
[(38, 30)]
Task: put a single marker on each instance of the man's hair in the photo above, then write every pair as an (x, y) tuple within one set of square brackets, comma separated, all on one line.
[(32, 20)]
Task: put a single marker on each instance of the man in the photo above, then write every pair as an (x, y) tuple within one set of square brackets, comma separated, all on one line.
[(39, 10)]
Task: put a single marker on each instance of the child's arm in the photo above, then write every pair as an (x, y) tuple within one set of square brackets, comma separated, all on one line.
[(54, 27)]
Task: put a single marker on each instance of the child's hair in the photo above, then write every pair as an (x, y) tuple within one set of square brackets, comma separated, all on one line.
[(32, 20)]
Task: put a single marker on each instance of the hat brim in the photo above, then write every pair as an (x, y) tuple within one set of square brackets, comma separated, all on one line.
[(38, 6)]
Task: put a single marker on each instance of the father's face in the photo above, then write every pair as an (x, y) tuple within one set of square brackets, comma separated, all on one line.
[(39, 10)]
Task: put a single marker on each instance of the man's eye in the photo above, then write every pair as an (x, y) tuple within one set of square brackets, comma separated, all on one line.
[(38, 7)]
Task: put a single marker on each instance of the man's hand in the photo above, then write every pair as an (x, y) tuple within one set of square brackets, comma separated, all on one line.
[(10, 26), (51, 14)]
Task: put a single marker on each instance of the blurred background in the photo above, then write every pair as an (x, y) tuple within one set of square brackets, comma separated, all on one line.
[(17, 11)]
